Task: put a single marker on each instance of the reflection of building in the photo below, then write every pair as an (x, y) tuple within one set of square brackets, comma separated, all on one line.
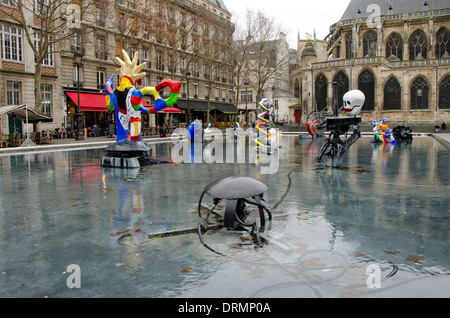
[(399, 59)]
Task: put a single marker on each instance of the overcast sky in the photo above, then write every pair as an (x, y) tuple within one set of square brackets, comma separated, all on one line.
[(295, 15)]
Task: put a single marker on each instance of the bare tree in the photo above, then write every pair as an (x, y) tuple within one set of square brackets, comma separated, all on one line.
[(260, 56), (44, 23)]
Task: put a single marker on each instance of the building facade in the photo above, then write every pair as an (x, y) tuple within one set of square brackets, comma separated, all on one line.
[(397, 53), (170, 36), (266, 74)]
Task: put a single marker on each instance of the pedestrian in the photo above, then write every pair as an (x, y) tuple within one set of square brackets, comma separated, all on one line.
[(437, 128), (162, 131)]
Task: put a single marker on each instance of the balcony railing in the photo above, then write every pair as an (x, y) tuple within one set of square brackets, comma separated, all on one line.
[(78, 50), (101, 55)]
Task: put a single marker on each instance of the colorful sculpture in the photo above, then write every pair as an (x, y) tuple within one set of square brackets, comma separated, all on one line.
[(126, 100), (382, 132), (263, 117), (130, 151), (312, 127)]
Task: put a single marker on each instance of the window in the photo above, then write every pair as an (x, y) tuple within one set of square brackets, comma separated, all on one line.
[(419, 94), (100, 17), (145, 81), (49, 59), (444, 93), (100, 48), (246, 96), (392, 94), (442, 43), (348, 46), (40, 6), (159, 61), (77, 75), (13, 93), (321, 91), (297, 89), (418, 46), (100, 78), (206, 92), (343, 87), (182, 65), (195, 90), (370, 44), (11, 43), (366, 84), (394, 47), (46, 99), (9, 3)]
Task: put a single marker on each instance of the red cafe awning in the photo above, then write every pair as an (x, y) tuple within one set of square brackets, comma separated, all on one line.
[(170, 110), (92, 102)]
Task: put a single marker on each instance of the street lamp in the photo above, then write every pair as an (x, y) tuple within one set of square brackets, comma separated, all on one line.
[(79, 119), (188, 75), (246, 102)]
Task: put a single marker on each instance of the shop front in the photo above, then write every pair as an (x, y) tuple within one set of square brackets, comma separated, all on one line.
[(94, 112)]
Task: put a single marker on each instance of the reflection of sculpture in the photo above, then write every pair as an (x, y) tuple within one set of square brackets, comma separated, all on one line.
[(127, 100), (130, 151), (382, 132)]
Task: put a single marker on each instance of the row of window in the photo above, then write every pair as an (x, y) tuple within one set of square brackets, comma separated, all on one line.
[(418, 45), (14, 95), (11, 45), (392, 91)]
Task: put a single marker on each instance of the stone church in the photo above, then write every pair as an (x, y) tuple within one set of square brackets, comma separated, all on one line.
[(396, 52)]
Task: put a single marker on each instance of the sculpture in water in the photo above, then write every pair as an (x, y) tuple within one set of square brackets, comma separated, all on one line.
[(126, 101)]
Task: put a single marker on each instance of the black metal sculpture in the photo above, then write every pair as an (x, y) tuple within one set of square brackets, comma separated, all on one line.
[(237, 191), (335, 147)]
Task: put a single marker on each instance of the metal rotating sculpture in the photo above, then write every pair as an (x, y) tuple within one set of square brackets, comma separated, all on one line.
[(238, 191), (334, 147)]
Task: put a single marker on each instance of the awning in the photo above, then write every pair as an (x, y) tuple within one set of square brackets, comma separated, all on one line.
[(225, 108), (92, 102), (197, 105), (26, 113), (170, 110)]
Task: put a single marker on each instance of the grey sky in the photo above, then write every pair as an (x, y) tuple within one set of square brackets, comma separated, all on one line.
[(295, 16)]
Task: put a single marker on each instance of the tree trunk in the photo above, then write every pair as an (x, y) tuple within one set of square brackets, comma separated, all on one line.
[(37, 94)]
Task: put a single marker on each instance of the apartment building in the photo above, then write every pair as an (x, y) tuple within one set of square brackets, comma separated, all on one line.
[(175, 38)]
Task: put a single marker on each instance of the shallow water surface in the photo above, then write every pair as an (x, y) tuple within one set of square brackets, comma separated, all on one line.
[(386, 206)]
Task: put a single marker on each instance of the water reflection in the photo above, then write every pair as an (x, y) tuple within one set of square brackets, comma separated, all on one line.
[(385, 204)]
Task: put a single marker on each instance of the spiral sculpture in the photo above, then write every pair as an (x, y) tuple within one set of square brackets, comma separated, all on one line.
[(263, 117)]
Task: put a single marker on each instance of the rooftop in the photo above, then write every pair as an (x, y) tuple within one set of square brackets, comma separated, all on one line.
[(366, 8)]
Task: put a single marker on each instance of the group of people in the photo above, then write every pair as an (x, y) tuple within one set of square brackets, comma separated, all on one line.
[(438, 129)]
